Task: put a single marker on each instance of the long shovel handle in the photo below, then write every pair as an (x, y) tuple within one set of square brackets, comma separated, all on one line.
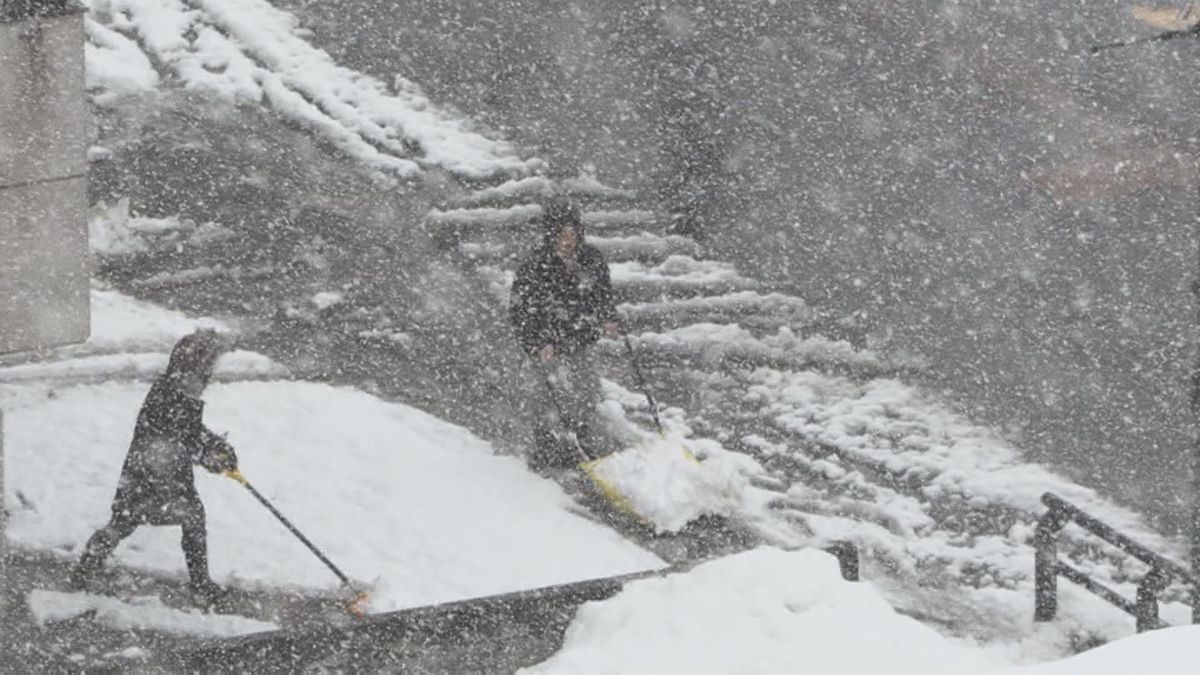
[(237, 475), (1167, 35), (644, 384)]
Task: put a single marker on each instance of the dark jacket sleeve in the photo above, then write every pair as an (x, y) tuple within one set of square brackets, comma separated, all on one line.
[(602, 294), (525, 310), (205, 447)]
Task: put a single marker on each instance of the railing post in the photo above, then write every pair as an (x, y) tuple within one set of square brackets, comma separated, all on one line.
[(847, 555), (1147, 599), (1046, 565), (1196, 602)]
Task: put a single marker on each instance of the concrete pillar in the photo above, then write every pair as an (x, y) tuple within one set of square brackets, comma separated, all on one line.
[(43, 176), (44, 275)]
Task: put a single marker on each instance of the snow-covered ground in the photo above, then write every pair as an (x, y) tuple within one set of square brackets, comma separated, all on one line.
[(249, 52), (772, 611), (147, 612), (425, 512), (416, 508)]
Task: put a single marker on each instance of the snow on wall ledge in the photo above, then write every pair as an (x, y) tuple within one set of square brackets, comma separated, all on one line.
[(249, 52)]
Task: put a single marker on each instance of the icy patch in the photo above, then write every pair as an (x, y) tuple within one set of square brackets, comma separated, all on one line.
[(142, 613), (762, 611)]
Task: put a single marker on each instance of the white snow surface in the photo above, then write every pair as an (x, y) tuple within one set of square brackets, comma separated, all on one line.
[(1172, 651), (774, 611), (712, 342), (249, 52), (414, 507), (141, 613), (670, 481), (122, 323), (418, 508)]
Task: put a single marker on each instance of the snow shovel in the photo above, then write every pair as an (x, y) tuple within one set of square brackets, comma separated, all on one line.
[(360, 596), (587, 464), (590, 467), (644, 384)]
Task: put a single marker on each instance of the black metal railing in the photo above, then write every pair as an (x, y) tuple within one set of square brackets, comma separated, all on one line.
[(1048, 568)]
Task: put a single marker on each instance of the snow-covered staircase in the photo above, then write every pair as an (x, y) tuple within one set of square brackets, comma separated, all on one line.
[(943, 510)]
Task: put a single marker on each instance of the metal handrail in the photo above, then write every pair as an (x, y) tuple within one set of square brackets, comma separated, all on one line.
[(1047, 567)]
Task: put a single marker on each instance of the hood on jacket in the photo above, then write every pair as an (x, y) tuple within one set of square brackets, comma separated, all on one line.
[(557, 215), (195, 355)]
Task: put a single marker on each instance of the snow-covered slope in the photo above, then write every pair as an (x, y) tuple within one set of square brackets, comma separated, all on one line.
[(416, 508)]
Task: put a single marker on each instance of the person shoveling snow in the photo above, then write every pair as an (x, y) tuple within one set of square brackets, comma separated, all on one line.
[(157, 484), (561, 303)]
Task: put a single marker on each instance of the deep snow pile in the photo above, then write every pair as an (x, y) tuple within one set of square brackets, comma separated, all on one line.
[(771, 611), (419, 508)]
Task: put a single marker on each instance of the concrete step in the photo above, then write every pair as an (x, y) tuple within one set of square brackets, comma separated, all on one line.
[(676, 277), (470, 222), (588, 191), (746, 308), (649, 249)]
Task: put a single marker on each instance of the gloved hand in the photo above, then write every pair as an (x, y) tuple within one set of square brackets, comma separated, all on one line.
[(220, 457)]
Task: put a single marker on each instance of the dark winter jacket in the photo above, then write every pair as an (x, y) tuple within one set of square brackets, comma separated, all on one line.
[(553, 305), (157, 485)]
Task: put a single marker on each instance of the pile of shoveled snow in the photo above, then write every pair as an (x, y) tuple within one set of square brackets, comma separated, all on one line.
[(670, 481), (771, 611), (763, 611)]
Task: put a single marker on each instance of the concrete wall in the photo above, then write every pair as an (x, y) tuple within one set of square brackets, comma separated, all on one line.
[(43, 185)]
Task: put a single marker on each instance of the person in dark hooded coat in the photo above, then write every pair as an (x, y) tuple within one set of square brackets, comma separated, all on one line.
[(157, 485), (561, 304)]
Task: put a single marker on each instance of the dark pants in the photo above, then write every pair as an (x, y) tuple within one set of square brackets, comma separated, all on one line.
[(188, 513), (566, 400)]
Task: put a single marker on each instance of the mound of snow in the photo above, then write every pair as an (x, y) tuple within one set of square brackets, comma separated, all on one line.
[(1173, 651), (663, 481), (774, 611), (762, 611)]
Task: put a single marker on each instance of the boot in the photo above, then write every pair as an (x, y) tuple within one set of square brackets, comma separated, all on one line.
[(207, 593), (81, 577)]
